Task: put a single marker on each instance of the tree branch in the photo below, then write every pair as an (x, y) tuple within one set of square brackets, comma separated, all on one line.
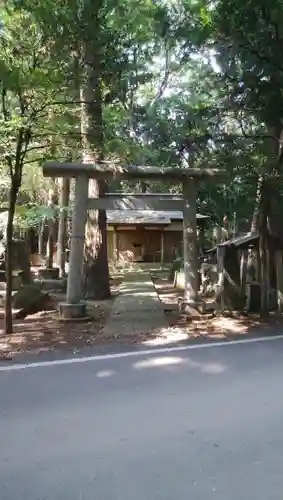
[(37, 148), (6, 117), (4, 108), (44, 158), (165, 79)]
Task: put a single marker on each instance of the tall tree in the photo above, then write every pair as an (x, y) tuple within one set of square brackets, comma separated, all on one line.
[(97, 272), (249, 44), (26, 93)]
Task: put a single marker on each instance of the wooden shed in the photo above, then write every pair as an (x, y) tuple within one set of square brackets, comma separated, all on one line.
[(240, 276)]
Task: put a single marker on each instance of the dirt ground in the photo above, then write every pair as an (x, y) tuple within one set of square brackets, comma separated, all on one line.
[(42, 332), (218, 327)]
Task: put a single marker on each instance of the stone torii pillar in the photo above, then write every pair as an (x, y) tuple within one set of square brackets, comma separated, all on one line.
[(74, 306), (190, 300)]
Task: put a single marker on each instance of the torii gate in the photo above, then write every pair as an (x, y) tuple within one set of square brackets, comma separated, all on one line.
[(82, 172)]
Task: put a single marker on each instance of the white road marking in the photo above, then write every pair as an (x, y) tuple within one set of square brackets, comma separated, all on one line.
[(130, 354)]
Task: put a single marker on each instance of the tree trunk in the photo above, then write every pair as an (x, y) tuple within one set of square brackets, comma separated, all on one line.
[(50, 244), (53, 200), (41, 239), (266, 218), (97, 272), (260, 223), (96, 269), (279, 281), (257, 208), (264, 272), (8, 320), (63, 223), (243, 270)]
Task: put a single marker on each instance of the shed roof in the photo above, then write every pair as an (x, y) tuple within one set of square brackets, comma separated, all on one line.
[(242, 241), (145, 216)]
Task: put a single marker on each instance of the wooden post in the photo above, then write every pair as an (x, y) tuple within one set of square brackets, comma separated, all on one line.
[(115, 246), (118, 247), (162, 249), (75, 291), (63, 223), (190, 243)]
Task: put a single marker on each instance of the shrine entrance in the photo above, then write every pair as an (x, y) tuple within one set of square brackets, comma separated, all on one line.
[(188, 177)]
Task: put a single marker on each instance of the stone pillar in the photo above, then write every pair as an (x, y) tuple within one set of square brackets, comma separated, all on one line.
[(190, 243), (162, 249), (74, 307)]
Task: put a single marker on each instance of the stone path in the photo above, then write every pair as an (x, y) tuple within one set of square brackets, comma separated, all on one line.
[(137, 309)]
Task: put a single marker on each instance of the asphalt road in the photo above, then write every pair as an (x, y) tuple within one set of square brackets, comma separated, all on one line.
[(202, 424)]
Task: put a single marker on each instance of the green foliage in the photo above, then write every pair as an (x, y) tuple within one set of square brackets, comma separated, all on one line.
[(249, 48), (29, 216), (163, 103)]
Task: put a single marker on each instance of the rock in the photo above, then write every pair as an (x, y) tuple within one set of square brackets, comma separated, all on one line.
[(58, 285), (30, 299), (27, 295)]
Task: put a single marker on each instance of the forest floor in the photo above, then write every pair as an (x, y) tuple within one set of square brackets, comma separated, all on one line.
[(43, 332), (218, 327)]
